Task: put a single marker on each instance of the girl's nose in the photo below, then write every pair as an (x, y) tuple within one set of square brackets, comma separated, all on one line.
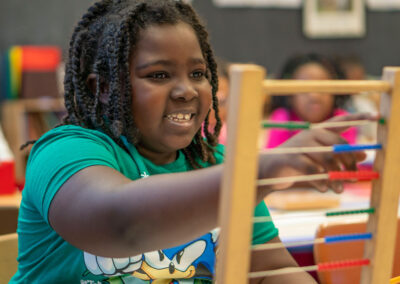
[(315, 96), (184, 90)]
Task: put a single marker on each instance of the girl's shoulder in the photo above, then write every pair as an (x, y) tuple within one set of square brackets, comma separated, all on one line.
[(339, 111), (73, 134), (70, 138), (73, 131), (280, 114)]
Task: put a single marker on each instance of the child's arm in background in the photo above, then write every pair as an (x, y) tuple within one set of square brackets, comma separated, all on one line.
[(131, 217), (272, 259)]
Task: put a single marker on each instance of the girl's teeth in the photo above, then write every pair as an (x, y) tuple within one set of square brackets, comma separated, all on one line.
[(179, 117)]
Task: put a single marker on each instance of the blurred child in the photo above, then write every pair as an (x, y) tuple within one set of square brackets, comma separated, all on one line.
[(311, 107)]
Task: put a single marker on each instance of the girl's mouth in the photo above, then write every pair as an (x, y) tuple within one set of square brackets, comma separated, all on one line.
[(315, 105), (179, 117)]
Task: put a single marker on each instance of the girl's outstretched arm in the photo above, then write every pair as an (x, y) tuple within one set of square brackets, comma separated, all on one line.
[(102, 212)]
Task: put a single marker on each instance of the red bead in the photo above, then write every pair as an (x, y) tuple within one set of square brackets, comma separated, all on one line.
[(342, 264), (356, 175)]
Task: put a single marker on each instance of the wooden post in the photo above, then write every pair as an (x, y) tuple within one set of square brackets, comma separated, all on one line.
[(386, 190), (240, 174)]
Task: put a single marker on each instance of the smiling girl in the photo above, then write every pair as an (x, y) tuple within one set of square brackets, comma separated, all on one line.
[(310, 107), (127, 189)]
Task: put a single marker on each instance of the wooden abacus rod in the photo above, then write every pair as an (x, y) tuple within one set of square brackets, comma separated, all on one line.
[(340, 175), (307, 125), (319, 267), (261, 219), (339, 148), (285, 87), (325, 240)]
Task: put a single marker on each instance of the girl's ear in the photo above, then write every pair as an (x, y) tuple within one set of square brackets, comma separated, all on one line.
[(91, 82)]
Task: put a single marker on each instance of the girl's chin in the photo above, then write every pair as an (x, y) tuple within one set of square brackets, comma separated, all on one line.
[(180, 144), (315, 118)]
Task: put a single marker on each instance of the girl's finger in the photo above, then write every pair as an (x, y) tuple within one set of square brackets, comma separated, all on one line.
[(307, 166), (350, 117), (329, 162), (347, 161)]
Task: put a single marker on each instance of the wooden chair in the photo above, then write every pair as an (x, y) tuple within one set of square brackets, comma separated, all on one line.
[(347, 250), (8, 256)]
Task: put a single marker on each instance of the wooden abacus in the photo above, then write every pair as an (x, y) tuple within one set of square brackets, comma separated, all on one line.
[(239, 184)]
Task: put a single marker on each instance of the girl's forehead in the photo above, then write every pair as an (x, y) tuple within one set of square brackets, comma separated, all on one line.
[(167, 42), (313, 70), (165, 27), (166, 35)]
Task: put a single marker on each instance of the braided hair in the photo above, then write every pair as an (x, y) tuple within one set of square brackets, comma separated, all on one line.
[(102, 44)]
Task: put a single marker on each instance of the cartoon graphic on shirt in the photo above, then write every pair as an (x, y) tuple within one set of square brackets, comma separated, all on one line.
[(194, 259)]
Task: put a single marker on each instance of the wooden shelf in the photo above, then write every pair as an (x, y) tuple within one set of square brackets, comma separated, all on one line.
[(17, 122)]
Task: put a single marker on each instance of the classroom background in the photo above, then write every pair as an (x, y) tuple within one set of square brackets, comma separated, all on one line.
[(34, 41), (263, 35)]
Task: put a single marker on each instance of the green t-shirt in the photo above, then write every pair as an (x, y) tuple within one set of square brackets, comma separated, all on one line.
[(44, 257)]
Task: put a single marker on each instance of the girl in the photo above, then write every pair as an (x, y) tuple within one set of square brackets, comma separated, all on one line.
[(312, 107), (126, 190)]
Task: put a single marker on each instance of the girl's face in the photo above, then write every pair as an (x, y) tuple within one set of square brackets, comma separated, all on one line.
[(312, 107), (170, 94)]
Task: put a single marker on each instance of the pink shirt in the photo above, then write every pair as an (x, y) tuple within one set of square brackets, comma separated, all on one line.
[(222, 133), (278, 136)]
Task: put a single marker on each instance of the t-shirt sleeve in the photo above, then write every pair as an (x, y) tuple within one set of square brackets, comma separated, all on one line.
[(55, 158), (263, 231)]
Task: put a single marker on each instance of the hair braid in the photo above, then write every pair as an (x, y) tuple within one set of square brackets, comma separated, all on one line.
[(213, 138), (95, 11), (190, 154), (120, 100), (128, 31)]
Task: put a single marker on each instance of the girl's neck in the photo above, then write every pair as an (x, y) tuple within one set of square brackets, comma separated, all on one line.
[(157, 158)]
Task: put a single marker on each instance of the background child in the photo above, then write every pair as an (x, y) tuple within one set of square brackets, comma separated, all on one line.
[(126, 191), (352, 67), (311, 107)]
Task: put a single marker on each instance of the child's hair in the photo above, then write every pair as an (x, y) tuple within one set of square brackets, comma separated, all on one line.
[(102, 44), (223, 67), (349, 65), (293, 64)]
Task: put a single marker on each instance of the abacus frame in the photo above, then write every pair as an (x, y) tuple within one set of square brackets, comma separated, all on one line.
[(247, 89)]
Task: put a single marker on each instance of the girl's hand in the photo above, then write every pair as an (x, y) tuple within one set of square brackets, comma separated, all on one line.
[(285, 165)]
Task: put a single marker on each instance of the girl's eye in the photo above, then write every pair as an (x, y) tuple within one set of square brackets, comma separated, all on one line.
[(158, 75), (197, 74)]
